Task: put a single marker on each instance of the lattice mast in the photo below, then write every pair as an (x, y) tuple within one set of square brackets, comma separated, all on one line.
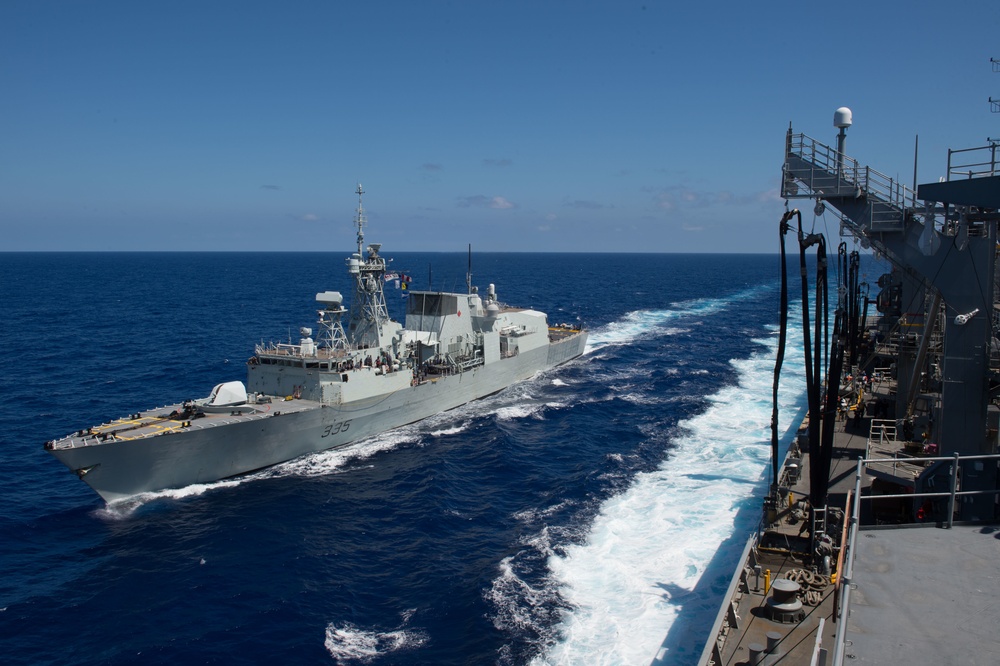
[(368, 309)]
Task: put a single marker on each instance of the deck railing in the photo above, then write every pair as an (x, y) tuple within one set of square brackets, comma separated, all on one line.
[(975, 162), (851, 174), (845, 578)]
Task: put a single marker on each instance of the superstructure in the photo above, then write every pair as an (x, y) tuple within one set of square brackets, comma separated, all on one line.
[(901, 432)]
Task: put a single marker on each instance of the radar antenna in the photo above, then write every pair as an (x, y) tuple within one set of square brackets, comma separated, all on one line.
[(360, 220)]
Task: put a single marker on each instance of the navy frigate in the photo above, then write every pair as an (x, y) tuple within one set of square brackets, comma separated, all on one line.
[(327, 392)]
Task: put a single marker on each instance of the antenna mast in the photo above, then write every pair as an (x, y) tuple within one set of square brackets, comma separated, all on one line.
[(361, 221), (468, 273), (995, 103)]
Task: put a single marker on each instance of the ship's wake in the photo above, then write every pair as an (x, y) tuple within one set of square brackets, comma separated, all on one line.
[(670, 321), (610, 589)]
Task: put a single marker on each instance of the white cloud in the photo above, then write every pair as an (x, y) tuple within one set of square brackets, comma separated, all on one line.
[(499, 203), (584, 204)]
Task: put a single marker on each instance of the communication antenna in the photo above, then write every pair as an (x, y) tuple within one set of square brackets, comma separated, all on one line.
[(468, 273), (995, 103), (360, 220)]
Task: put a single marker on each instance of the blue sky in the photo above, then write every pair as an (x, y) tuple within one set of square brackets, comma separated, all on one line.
[(513, 126)]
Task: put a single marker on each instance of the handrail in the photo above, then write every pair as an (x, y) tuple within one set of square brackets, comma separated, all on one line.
[(977, 169), (848, 573), (870, 181)]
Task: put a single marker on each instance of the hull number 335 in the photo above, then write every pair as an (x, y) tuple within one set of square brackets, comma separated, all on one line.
[(334, 428)]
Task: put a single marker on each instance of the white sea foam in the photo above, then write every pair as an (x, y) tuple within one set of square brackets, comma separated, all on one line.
[(337, 460), (664, 322), (647, 549), (522, 411), (453, 430), (531, 516), (124, 508), (347, 643), (516, 616)]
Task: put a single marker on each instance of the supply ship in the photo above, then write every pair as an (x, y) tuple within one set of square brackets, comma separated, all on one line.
[(879, 539), (325, 393)]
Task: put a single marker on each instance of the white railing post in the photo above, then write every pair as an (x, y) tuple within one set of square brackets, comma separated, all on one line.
[(954, 489)]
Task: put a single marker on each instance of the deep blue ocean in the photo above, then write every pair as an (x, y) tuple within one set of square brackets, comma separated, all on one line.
[(589, 515)]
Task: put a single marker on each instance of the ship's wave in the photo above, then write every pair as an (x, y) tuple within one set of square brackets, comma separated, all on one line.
[(523, 411), (665, 322), (124, 508), (643, 560)]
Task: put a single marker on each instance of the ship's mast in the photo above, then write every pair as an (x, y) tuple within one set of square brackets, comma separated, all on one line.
[(368, 310), (468, 273), (360, 220)]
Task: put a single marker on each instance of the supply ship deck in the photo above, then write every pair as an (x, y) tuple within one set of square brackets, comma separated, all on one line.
[(921, 593), (880, 537)]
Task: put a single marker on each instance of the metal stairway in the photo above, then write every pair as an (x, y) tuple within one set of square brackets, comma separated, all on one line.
[(869, 200)]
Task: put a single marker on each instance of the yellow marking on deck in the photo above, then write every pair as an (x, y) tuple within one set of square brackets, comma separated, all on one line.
[(158, 429), (158, 424)]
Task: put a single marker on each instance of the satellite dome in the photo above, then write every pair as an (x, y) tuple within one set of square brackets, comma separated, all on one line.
[(842, 118)]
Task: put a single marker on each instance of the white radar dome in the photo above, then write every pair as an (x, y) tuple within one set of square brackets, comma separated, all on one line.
[(842, 117)]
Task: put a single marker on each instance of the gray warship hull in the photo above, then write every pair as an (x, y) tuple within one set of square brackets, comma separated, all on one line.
[(152, 451)]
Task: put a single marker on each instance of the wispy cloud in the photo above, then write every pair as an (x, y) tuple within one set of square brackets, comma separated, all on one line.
[(680, 196), (308, 217), (270, 187), (585, 205), (482, 201), (501, 162), (431, 167)]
